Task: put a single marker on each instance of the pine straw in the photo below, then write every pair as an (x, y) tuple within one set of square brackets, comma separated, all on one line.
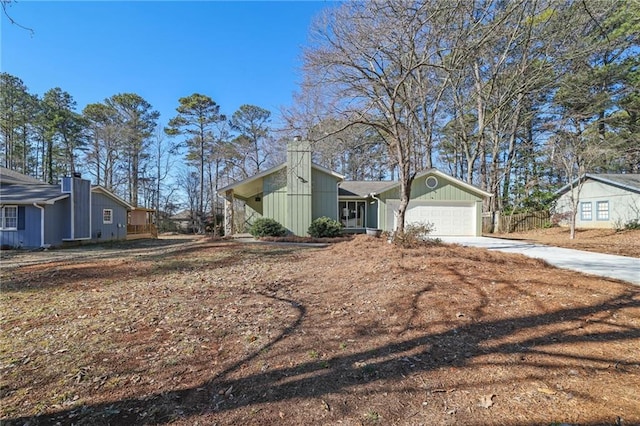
[(360, 332)]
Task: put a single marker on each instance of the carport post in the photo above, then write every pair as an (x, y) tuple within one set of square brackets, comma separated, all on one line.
[(228, 213)]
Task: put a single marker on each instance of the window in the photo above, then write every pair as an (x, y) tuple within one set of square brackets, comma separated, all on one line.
[(9, 218), (602, 210), (107, 216), (586, 211), (431, 182), (352, 213)]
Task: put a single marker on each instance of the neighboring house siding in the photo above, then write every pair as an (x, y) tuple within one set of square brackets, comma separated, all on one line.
[(82, 214), (324, 201), (623, 205), (28, 233), (57, 222), (115, 230), (274, 201)]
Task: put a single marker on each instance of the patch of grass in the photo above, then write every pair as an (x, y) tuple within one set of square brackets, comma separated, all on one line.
[(313, 354)]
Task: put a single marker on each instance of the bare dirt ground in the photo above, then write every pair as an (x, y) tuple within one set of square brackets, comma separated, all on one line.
[(359, 333), (622, 243)]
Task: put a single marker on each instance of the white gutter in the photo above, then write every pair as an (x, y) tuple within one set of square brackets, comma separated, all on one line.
[(41, 223)]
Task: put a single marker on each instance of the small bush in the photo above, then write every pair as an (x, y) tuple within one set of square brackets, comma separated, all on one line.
[(632, 224), (415, 234), (324, 227), (266, 227)]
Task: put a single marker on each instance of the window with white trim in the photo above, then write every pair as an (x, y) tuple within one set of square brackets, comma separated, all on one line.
[(586, 211), (107, 216), (602, 210), (9, 217), (352, 213)]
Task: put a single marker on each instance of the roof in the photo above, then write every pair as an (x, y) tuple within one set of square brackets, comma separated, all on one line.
[(366, 188), (628, 181), (252, 185), (23, 194), (11, 176), (114, 197), (362, 188)]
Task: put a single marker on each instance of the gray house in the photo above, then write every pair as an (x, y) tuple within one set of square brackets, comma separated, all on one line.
[(299, 191), (35, 214), (604, 200)]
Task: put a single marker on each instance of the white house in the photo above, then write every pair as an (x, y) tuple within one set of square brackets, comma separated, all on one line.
[(604, 200)]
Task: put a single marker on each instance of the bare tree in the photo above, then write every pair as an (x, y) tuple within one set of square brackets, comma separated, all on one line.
[(376, 64)]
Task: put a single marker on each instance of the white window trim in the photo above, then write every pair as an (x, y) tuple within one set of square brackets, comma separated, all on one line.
[(598, 211), (107, 222), (3, 217), (583, 211)]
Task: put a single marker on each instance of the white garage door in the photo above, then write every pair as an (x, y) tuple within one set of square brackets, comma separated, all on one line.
[(447, 219)]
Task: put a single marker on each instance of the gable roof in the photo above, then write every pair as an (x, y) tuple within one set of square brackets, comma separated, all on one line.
[(24, 194), (114, 197), (366, 188), (11, 176), (257, 188), (630, 182)]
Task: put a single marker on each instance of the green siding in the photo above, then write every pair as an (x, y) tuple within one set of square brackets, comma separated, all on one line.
[(274, 199), (446, 190), (298, 187), (325, 195)]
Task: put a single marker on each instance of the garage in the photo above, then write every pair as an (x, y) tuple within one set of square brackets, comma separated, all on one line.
[(448, 218)]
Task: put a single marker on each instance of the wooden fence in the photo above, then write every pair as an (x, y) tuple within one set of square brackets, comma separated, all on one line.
[(515, 222)]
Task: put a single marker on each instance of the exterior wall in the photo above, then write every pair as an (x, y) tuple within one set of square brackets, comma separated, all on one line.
[(29, 235), (445, 191), (117, 229), (372, 214), (299, 206), (57, 224), (252, 211), (274, 199), (624, 205), (80, 190), (324, 201)]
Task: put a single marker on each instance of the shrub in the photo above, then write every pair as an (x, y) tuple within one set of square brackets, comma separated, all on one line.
[(415, 234), (324, 227), (632, 224), (266, 227)]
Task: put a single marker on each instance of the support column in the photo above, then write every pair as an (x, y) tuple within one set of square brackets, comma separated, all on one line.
[(228, 213)]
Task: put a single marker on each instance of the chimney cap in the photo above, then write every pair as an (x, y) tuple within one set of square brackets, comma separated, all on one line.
[(77, 174)]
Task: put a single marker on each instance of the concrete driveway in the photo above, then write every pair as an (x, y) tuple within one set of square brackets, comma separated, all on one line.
[(605, 265)]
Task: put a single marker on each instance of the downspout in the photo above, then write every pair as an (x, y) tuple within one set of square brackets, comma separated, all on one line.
[(41, 223), (373, 195)]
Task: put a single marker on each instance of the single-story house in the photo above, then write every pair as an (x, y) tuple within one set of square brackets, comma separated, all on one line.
[(299, 191), (34, 214), (604, 200)]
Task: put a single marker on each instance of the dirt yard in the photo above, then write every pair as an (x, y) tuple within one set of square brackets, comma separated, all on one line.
[(623, 243), (358, 333)]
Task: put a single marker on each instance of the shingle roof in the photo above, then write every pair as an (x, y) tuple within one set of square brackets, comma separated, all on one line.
[(629, 181), (11, 176), (363, 188), (20, 193)]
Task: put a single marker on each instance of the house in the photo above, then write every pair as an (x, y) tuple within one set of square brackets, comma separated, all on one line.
[(34, 214), (299, 191), (604, 200)]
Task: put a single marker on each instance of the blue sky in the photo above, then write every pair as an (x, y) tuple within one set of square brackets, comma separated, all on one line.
[(235, 52)]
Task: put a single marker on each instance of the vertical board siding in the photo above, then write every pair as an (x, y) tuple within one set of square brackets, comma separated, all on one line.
[(299, 206), (274, 200), (108, 231), (81, 197), (29, 237), (57, 223), (325, 195)]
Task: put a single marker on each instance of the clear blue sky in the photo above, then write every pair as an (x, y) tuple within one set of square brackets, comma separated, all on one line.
[(235, 52)]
